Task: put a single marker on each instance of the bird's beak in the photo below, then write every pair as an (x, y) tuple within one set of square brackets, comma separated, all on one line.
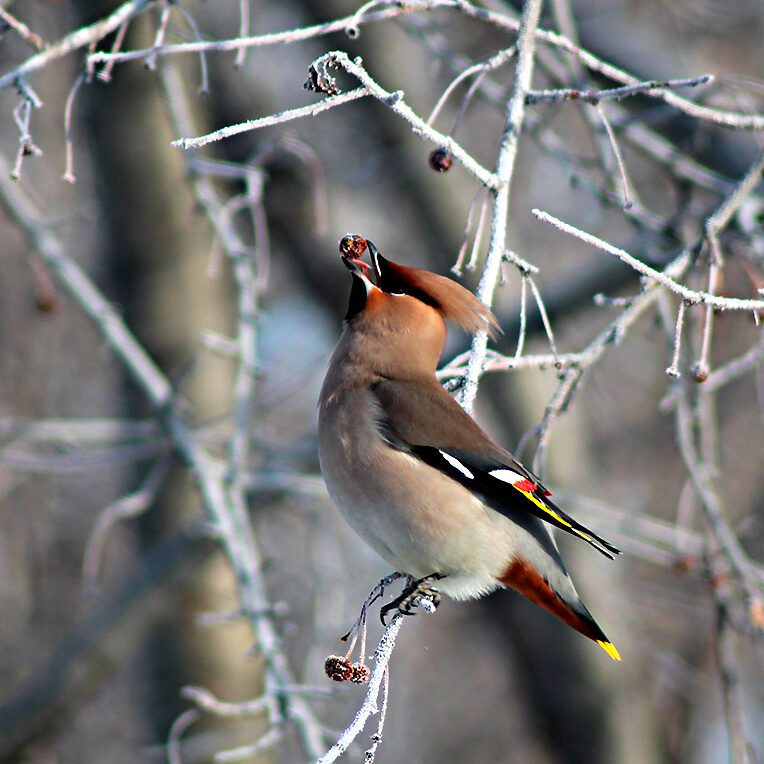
[(374, 256), (356, 265)]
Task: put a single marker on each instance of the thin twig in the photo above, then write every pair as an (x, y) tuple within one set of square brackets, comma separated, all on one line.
[(523, 317), (480, 69), (151, 61), (722, 216), (68, 175), (627, 196), (740, 751), (272, 119), (590, 61), (709, 498), (22, 30), (376, 738), (268, 740), (522, 265), (21, 116), (477, 241), (544, 318), (594, 97), (243, 32), (105, 74), (458, 265), (129, 506), (673, 370), (204, 87), (178, 727), (736, 368), (275, 38), (206, 701), (702, 368)]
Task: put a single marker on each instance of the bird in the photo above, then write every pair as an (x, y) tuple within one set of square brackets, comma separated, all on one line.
[(410, 470)]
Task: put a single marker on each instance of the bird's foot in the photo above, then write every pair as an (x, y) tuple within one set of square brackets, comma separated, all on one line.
[(377, 592), (416, 594)]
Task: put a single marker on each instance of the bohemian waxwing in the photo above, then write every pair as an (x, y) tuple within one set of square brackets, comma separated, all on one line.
[(411, 471)]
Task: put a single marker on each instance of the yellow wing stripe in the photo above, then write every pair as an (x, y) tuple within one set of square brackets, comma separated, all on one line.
[(609, 648), (541, 505)]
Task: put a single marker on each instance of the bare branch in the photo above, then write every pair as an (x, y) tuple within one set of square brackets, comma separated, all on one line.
[(595, 96), (628, 197), (22, 30), (505, 166), (590, 61), (131, 505), (225, 507), (243, 32), (736, 368), (723, 303), (673, 370), (268, 740), (544, 318), (722, 216), (276, 38), (480, 69), (105, 74), (710, 501), (76, 40), (740, 749), (68, 175), (273, 119), (178, 728)]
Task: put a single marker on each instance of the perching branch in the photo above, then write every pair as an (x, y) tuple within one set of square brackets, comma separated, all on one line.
[(370, 704)]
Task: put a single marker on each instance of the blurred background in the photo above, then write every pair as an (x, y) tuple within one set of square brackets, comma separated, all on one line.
[(103, 620)]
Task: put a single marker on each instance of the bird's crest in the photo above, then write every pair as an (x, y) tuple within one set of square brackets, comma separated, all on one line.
[(450, 299)]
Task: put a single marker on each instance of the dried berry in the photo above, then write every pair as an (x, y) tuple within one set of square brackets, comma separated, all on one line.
[(441, 160), (47, 303), (700, 373), (756, 613), (338, 668), (361, 673), (686, 563), (319, 80), (352, 245), (720, 581)]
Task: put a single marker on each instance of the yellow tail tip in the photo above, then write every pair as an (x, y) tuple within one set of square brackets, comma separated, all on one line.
[(609, 648)]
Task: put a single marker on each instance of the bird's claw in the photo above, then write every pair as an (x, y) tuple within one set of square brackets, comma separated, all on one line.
[(417, 592)]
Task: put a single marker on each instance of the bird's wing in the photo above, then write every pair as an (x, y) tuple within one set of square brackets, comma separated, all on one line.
[(421, 418)]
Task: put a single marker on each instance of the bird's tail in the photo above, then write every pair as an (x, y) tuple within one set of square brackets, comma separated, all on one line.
[(524, 578)]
